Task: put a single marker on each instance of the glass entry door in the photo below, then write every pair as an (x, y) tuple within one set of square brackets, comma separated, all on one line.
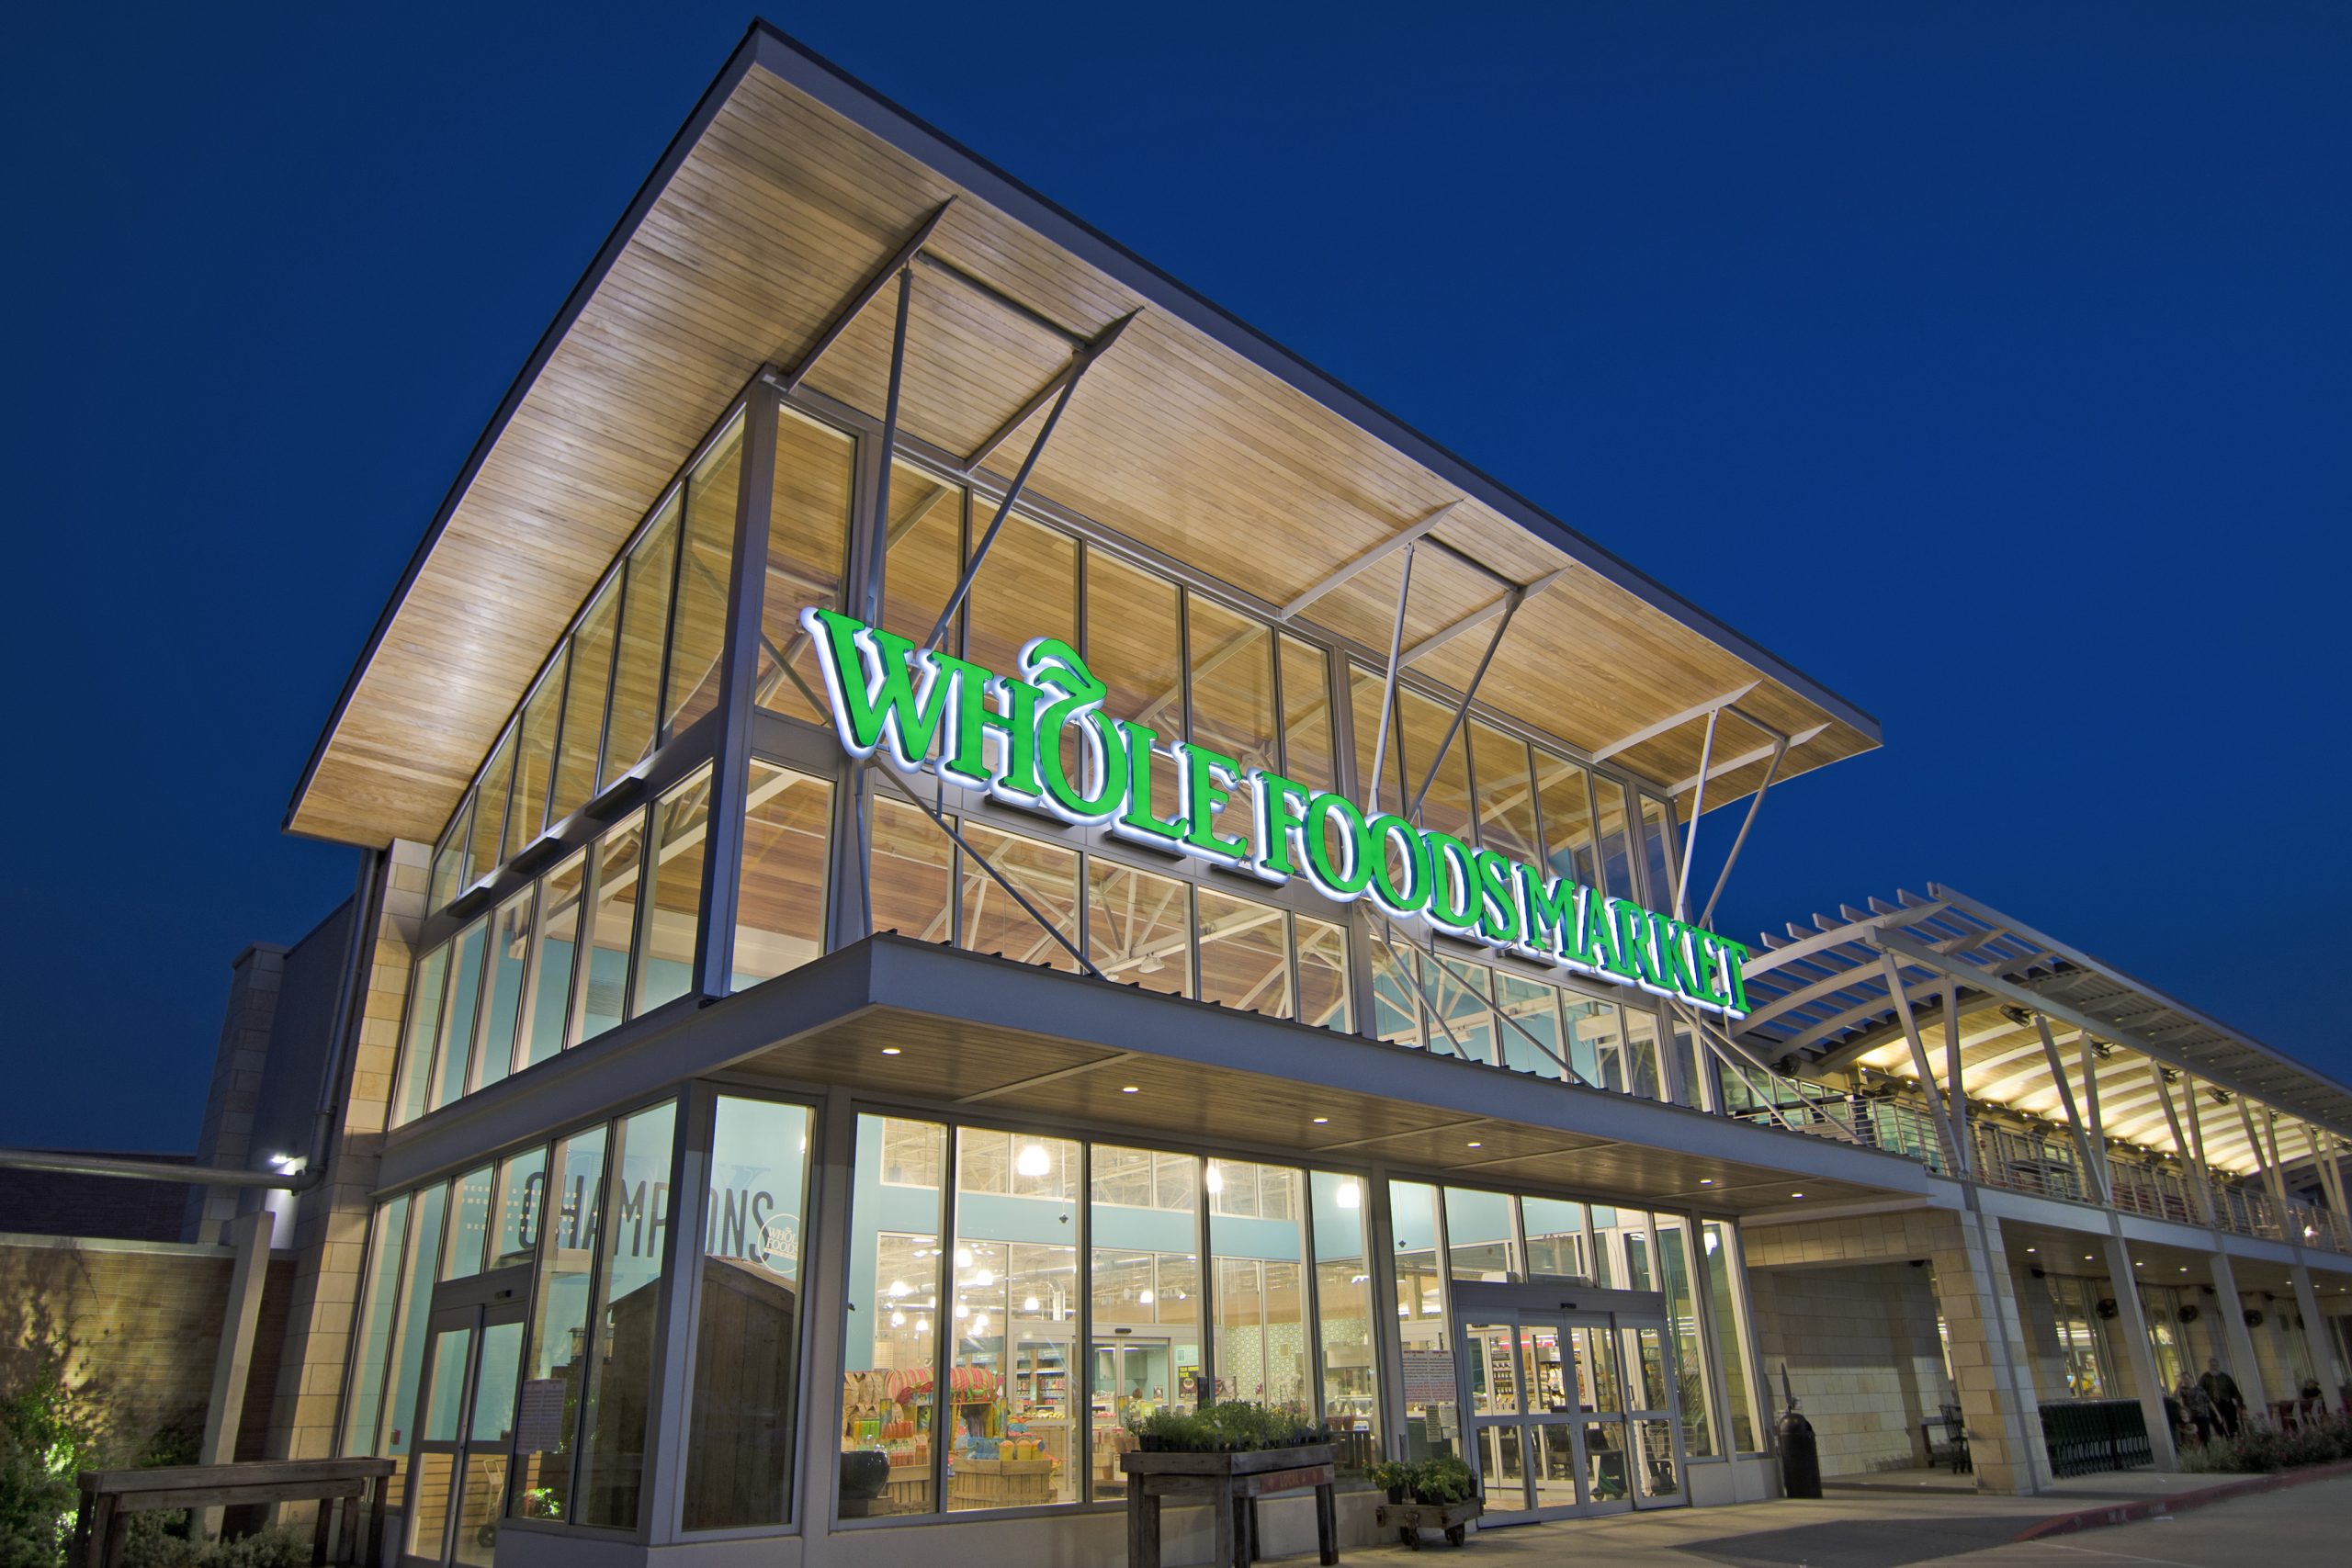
[(1571, 1412), (465, 1413)]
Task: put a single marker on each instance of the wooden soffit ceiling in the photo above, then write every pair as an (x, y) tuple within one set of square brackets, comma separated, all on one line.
[(1193, 435)]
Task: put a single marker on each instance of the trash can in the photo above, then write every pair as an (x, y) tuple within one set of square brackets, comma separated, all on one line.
[(1800, 1456)]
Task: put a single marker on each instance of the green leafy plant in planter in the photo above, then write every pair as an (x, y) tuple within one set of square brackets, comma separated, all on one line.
[(1396, 1477), (1443, 1480), (1236, 1425)]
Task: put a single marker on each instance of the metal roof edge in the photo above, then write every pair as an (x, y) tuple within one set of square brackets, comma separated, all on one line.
[(802, 68), (648, 191)]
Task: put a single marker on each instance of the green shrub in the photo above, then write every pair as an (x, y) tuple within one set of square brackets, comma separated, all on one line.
[(1444, 1479), (2262, 1448), (274, 1547), (1236, 1425), (48, 1433)]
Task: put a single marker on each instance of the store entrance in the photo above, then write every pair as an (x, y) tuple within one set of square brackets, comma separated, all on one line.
[(465, 1415), (1572, 1405)]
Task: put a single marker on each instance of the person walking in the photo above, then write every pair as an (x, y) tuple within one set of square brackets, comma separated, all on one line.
[(2198, 1406), (2229, 1404)]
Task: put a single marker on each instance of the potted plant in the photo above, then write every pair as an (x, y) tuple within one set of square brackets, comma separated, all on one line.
[(1396, 1477), (1221, 1451)]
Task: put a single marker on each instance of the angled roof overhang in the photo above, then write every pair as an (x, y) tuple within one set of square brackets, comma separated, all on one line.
[(1824, 998), (1198, 437)]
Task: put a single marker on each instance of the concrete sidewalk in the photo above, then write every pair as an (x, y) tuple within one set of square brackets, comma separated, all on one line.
[(1883, 1524)]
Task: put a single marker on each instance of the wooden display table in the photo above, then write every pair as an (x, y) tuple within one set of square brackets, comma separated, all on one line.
[(1231, 1483), (109, 1497)]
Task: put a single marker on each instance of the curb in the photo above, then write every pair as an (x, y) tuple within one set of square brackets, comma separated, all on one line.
[(2180, 1502)]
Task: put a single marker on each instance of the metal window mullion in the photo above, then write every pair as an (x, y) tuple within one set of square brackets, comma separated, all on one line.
[(942, 1415), (1212, 1290), (1077, 1371), (1599, 847), (738, 673), (603, 1227), (670, 1376)]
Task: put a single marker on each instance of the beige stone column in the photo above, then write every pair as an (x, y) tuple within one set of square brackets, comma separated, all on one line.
[(2237, 1345), (2131, 1322), (1988, 1348)]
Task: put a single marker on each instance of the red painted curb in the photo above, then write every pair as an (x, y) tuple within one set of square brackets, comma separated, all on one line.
[(2180, 1502)]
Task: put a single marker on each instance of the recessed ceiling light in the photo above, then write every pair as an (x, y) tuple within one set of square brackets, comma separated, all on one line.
[(1129, 1088), (889, 1050), (1322, 1120), (1477, 1145), (1706, 1181), (1797, 1194), (2030, 1249), (2086, 1257)]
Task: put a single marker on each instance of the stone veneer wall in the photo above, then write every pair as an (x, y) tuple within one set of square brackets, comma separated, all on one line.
[(1861, 1347), (330, 1234), (225, 1137)]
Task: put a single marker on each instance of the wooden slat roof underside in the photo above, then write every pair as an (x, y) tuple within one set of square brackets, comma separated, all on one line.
[(1193, 437)]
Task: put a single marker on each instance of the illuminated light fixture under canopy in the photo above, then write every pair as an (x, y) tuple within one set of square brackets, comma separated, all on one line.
[(1349, 1196), (1034, 1160)]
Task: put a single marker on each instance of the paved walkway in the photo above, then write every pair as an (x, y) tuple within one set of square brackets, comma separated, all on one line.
[(1896, 1526)]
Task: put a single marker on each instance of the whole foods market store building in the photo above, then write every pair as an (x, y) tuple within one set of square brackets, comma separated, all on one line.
[(1204, 920)]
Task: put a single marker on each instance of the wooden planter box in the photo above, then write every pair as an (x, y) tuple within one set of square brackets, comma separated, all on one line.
[(1231, 1484), (1409, 1519)]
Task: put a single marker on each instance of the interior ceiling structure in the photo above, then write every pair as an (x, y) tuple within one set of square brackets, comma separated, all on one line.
[(1822, 1000), (1193, 437)]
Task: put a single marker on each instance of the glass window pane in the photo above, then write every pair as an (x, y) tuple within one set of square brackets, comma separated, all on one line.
[(520, 1208), (699, 627), (1245, 955), (420, 1040), (612, 918), (1047, 876), (510, 954), (1446, 807), (611, 1471), (890, 1392), (1659, 859), (1670, 1239), (1023, 590), (1531, 1041), (468, 1228), (1323, 998), (1621, 1247), (1567, 819), (1616, 836), (780, 899), (1505, 792), (1479, 1240), (415, 1312), (1308, 752), (1641, 1052), (1724, 1319), (535, 758), (1233, 698), (1457, 993), (1395, 992), (449, 859), (590, 678), (550, 1402), (913, 873), (549, 1010), (665, 965), (808, 544), (490, 812), (644, 632), (1139, 927), (1260, 1348), (1432, 1411), (926, 554), (1596, 1041), (1146, 1286), (1351, 1401), (379, 1306), (1012, 1317), (493, 1423), (1135, 644), (1556, 1239), (457, 1026), (747, 1331)]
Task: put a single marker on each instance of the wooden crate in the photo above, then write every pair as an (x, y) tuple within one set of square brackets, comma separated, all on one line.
[(908, 1491), (1001, 1482)]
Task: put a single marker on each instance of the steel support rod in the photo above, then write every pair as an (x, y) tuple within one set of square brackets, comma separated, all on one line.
[(1739, 839), (1387, 688), (2090, 1058), (1961, 1164), (2067, 1099), (1462, 710), (877, 560), (900, 262), (2197, 1185), (1697, 806)]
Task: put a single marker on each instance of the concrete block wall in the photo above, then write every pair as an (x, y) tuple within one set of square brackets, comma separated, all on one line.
[(330, 1231), (1861, 1352), (140, 1321)]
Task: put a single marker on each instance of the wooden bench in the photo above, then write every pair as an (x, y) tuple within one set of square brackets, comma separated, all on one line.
[(102, 1526), (1231, 1483)]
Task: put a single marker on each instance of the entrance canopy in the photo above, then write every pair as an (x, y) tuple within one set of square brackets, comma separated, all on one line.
[(2024, 1020), (763, 239)]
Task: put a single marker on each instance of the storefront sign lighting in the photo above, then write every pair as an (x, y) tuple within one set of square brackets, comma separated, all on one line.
[(923, 711)]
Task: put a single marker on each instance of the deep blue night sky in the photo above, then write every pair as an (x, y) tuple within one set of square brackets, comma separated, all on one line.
[(1987, 362)]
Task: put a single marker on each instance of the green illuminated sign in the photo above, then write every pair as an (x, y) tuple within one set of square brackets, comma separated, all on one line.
[(925, 711)]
